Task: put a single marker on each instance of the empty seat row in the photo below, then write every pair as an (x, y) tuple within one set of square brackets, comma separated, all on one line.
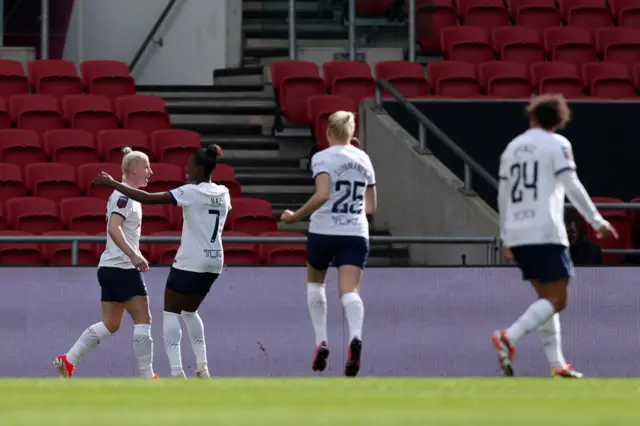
[(88, 214), (56, 181), (507, 79), (159, 254), (60, 78), (92, 113), (528, 45), (76, 147)]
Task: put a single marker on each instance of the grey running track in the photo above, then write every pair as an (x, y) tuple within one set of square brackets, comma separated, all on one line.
[(419, 322)]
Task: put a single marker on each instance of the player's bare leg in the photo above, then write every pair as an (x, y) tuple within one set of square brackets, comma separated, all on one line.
[(317, 305), (349, 277), (552, 298), (138, 308), (112, 314)]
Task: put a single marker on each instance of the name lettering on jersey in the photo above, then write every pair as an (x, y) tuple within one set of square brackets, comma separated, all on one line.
[(212, 254), (122, 202), (351, 165), (217, 200), (525, 149)]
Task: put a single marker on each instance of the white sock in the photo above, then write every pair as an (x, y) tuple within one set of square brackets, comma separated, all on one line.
[(538, 313), (195, 329), (172, 334), (317, 304), (89, 339), (552, 343), (143, 349), (354, 312)]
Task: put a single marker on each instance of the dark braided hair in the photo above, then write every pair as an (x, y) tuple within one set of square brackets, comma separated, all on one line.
[(207, 158)]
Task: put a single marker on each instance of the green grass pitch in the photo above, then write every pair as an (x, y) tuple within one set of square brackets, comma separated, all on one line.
[(318, 401)]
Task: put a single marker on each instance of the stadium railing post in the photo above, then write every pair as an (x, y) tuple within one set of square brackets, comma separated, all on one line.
[(412, 29), (292, 30), (44, 30)]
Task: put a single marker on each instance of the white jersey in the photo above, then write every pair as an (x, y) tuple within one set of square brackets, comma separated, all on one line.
[(131, 211), (205, 208), (350, 173), (534, 198)]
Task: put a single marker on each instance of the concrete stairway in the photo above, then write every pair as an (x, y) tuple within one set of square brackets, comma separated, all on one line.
[(238, 113)]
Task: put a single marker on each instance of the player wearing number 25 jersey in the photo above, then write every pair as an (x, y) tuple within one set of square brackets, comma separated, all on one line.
[(537, 170), (199, 259), (338, 234)]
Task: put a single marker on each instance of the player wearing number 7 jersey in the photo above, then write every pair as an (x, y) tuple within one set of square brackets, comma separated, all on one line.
[(199, 259), (537, 170), (338, 234)]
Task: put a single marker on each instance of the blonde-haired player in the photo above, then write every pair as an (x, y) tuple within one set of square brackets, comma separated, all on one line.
[(120, 275), (338, 234)]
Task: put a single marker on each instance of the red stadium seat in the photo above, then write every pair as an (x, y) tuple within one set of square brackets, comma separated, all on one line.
[(283, 253), (622, 222), (36, 112), (70, 146), (537, 14), (5, 118), (351, 79), (142, 112), (619, 45), (406, 77), (108, 78), (111, 142), (518, 44), (609, 80), (226, 175), (505, 79), (19, 253), (238, 253), (165, 177), (587, 14), (84, 214), (567, 44), (454, 79), (155, 219), (87, 173), (54, 181), (432, 16), (20, 147), (32, 214), (468, 44), (60, 253), (626, 13), (373, 8), (252, 216), (483, 13), (164, 253), (89, 112), (294, 82), (54, 77), (13, 80), (3, 222), (174, 146), (557, 77), (320, 108), (175, 215), (11, 182)]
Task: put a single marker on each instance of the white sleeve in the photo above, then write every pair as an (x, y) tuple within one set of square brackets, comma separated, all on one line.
[(372, 175), (227, 200), (120, 205), (579, 197), (503, 198), (562, 156), (183, 196), (318, 166)]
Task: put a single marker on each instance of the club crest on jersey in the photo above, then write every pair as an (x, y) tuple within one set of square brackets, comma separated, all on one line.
[(122, 202), (567, 153)]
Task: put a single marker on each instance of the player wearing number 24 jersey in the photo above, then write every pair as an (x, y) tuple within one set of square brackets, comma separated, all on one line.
[(199, 259), (537, 170), (338, 234)]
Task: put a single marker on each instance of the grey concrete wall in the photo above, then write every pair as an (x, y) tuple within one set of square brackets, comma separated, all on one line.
[(417, 195)]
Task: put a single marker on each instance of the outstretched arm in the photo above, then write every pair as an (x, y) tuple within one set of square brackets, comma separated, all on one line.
[(135, 194)]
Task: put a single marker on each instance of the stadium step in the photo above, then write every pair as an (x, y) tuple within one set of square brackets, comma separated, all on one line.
[(312, 29)]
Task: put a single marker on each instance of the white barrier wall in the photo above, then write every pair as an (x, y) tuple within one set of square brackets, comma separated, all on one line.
[(194, 36)]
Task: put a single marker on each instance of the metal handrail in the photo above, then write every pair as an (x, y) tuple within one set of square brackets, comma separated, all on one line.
[(424, 123), (151, 34)]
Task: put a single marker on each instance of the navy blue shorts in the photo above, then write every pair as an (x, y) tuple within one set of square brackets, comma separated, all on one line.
[(187, 282), (120, 285), (337, 250), (543, 262)]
